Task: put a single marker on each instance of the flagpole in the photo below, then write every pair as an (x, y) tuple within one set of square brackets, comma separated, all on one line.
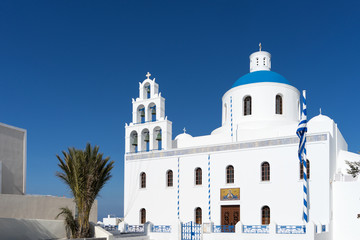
[(301, 132)]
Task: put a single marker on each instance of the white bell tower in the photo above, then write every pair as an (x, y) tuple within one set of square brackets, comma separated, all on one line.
[(149, 130), (260, 61)]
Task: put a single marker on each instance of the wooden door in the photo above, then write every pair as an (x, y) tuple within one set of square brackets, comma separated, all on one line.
[(230, 215)]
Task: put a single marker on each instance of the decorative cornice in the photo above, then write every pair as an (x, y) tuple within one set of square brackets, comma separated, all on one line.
[(225, 147)]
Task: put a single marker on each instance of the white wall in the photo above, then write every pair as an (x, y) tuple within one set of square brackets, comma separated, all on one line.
[(0, 177), (156, 197), (263, 104), (283, 194), (346, 207), (31, 229), (13, 158), (37, 206)]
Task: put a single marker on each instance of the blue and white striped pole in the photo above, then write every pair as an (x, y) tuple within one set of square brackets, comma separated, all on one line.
[(178, 188), (301, 132), (209, 192)]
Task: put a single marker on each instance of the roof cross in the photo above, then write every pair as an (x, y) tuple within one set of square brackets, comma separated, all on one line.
[(184, 130), (260, 47), (148, 75)]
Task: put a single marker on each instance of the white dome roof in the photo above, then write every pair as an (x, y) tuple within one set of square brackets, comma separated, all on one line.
[(321, 118), (183, 136)]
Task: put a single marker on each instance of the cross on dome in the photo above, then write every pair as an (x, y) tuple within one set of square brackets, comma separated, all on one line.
[(148, 75), (184, 130), (260, 47)]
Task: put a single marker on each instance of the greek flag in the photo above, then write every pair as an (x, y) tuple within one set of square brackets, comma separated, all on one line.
[(301, 133)]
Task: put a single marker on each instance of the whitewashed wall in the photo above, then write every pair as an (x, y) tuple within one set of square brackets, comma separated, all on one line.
[(283, 193)]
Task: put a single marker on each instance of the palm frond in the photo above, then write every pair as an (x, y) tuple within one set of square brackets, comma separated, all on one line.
[(70, 222)]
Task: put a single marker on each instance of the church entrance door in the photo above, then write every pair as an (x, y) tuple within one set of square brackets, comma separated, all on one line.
[(230, 215)]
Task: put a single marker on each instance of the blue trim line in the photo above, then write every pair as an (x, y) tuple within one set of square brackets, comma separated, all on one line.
[(178, 190)]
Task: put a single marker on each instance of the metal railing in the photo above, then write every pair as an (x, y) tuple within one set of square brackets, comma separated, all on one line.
[(161, 228), (255, 229), (223, 228), (290, 229), (134, 228)]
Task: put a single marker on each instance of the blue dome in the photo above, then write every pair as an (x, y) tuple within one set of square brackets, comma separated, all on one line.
[(260, 76)]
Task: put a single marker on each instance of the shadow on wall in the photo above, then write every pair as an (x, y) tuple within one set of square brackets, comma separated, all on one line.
[(8, 183), (11, 228)]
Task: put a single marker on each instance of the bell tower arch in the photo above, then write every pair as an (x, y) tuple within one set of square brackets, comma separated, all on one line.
[(149, 129)]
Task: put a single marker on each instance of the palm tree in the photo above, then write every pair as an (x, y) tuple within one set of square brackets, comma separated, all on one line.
[(85, 172), (354, 168)]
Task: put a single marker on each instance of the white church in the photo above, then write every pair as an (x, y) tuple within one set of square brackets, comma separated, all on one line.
[(244, 180)]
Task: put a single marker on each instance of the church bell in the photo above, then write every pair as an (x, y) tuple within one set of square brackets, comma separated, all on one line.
[(153, 111), (158, 137), (146, 137), (142, 113), (134, 142)]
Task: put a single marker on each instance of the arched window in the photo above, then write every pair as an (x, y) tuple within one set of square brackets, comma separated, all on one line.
[(247, 106), (142, 180), (133, 142), (307, 170), (147, 91), (265, 215), (145, 139), (169, 178), (229, 174), (153, 113), (157, 138), (198, 215), (142, 216), (198, 176), (141, 114), (265, 171), (279, 107)]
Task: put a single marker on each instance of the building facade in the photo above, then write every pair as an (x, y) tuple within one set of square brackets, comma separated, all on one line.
[(245, 176), (12, 160)]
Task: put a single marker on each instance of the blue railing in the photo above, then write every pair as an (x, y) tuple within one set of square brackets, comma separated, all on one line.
[(190, 231), (290, 229), (223, 228), (255, 229), (134, 228), (161, 228)]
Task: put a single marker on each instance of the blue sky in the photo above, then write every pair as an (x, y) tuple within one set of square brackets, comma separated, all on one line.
[(68, 69)]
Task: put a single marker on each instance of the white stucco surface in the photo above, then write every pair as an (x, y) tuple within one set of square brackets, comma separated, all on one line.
[(245, 140)]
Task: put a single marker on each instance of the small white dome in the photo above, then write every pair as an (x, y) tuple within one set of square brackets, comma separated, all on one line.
[(183, 136), (321, 118)]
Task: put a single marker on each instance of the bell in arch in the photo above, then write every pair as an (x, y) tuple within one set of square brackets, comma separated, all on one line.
[(134, 142), (142, 113), (158, 136), (146, 137), (148, 89), (153, 111)]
